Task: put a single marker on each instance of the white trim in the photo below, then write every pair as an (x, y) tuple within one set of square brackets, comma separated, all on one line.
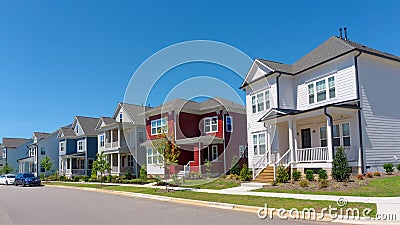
[(231, 124), (159, 128), (210, 119), (214, 147)]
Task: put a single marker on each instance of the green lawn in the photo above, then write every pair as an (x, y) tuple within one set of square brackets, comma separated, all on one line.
[(382, 187), (216, 184), (286, 203)]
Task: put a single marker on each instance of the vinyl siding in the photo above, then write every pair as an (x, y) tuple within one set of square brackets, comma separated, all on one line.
[(379, 79)]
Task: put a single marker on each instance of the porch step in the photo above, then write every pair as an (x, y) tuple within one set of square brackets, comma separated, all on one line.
[(266, 176)]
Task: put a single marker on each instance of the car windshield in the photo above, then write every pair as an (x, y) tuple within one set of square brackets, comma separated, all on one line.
[(29, 175), (12, 176)]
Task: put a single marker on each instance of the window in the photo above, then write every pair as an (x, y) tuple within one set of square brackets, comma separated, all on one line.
[(211, 124), (259, 144), (214, 152), (4, 154), (311, 93), (90, 163), (102, 140), (322, 137), (62, 146), (42, 151), (253, 104), (321, 90), (241, 151), (346, 134), (77, 128), (42, 170), (141, 136), (80, 145), (331, 85), (154, 157), (130, 160), (158, 126), (260, 102), (267, 101), (120, 117), (229, 124), (336, 135)]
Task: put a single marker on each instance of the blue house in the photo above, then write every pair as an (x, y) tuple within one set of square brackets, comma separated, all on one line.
[(77, 146), (14, 149), (44, 144)]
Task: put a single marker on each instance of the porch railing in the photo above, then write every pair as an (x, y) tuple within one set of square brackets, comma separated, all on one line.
[(114, 169), (260, 165), (78, 171), (317, 154), (186, 168), (285, 159)]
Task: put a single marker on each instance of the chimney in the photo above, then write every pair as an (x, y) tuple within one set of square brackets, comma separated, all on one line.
[(340, 31), (345, 33)]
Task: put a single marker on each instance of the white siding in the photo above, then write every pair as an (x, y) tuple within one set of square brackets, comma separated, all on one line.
[(342, 69), (379, 80), (287, 92)]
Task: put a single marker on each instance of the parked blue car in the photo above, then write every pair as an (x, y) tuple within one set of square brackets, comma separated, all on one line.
[(26, 179)]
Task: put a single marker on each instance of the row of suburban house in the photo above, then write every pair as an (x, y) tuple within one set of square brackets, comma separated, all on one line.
[(339, 94)]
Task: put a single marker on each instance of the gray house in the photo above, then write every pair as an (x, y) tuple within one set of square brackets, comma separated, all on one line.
[(14, 149), (77, 146), (44, 144)]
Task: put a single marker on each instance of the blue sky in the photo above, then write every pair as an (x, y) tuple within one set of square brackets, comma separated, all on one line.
[(59, 59)]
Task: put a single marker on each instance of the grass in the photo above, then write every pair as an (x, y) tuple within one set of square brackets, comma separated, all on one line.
[(382, 187), (216, 184), (286, 203)]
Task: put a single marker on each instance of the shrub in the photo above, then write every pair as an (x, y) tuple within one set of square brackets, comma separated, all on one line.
[(195, 175), (340, 166), (388, 168), (322, 175), (143, 173), (91, 179), (323, 183), (309, 175), (85, 178), (76, 179), (128, 175), (360, 177), (63, 178), (232, 177), (245, 174), (282, 175), (114, 179), (235, 168), (303, 183), (377, 174), (369, 175), (296, 175), (398, 167)]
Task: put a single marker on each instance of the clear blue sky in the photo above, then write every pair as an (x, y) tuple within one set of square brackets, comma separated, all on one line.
[(59, 59)]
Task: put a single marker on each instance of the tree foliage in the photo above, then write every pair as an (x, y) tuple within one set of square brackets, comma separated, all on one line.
[(6, 169), (168, 150), (340, 166), (101, 165), (47, 164)]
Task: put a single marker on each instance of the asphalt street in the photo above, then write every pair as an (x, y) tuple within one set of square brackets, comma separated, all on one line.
[(57, 206)]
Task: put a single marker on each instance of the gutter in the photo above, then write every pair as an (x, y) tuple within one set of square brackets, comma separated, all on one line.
[(277, 89), (359, 111)]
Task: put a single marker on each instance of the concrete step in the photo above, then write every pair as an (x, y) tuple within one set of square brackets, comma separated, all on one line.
[(253, 185)]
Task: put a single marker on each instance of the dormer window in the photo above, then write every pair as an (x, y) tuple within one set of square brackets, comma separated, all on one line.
[(77, 128), (120, 117)]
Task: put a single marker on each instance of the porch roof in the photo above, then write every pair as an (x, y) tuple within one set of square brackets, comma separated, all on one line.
[(205, 140), (26, 159), (74, 155), (275, 113)]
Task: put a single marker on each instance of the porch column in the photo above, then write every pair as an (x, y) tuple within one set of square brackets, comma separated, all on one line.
[(294, 156), (70, 165), (111, 158), (119, 138), (269, 142), (329, 139), (119, 161), (111, 136), (290, 124)]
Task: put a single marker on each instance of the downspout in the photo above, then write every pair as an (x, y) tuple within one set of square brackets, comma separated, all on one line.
[(277, 90), (359, 111), (331, 122), (223, 138)]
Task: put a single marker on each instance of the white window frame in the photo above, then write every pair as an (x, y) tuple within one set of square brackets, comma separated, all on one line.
[(325, 138), (129, 160), (154, 156), (102, 140), (62, 146), (214, 152), (347, 136), (261, 101), (4, 154), (242, 150), (160, 127), (141, 134), (313, 92), (341, 136), (210, 124), (80, 145), (253, 104), (42, 151), (257, 143), (231, 123)]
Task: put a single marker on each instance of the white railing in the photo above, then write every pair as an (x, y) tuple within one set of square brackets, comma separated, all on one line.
[(78, 171), (317, 154), (114, 169), (186, 168), (260, 165), (115, 144), (285, 161), (68, 171)]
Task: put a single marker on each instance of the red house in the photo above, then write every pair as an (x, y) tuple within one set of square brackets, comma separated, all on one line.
[(213, 130)]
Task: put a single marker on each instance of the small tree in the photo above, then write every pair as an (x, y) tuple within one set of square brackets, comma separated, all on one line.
[(143, 173), (208, 166), (389, 168), (245, 173), (340, 166), (282, 175), (101, 165), (6, 169), (47, 164), (235, 166), (168, 150)]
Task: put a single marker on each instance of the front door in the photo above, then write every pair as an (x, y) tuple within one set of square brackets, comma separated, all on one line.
[(306, 138)]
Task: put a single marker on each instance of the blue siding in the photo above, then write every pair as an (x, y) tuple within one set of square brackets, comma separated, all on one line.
[(50, 144), (91, 147), (71, 146)]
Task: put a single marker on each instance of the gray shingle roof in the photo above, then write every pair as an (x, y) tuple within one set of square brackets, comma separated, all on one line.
[(88, 124), (108, 120), (40, 135), (68, 131), (135, 112), (13, 142), (328, 50)]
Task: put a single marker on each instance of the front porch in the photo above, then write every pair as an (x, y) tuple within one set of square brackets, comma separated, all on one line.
[(308, 140), (27, 165), (74, 165), (121, 162)]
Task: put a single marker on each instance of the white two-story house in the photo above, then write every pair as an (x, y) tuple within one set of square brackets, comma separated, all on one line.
[(339, 94), (120, 137)]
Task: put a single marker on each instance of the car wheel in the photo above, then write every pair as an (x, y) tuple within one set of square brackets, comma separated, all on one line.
[(15, 183), (23, 183), (6, 183)]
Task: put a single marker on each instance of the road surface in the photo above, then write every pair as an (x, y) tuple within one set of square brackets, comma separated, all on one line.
[(58, 206)]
